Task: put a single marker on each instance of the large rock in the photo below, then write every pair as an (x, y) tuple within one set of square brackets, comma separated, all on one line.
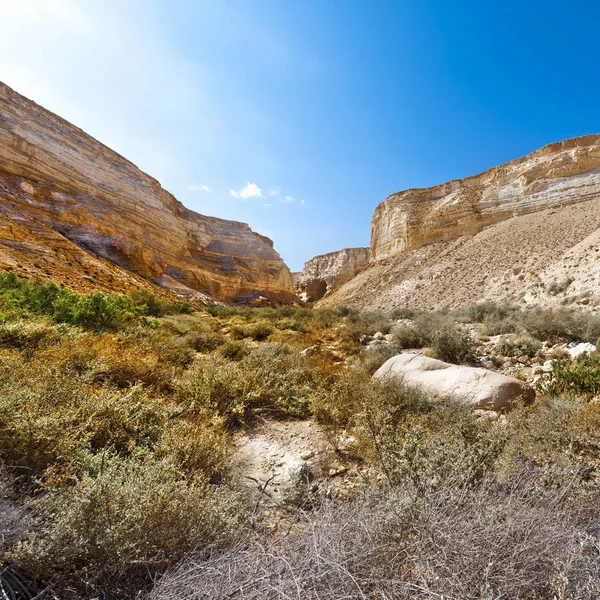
[(326, 272), (479, 388), (526, 231), (78, 212)]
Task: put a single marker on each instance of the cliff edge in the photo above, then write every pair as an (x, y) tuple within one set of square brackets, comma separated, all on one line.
[(74, 210)]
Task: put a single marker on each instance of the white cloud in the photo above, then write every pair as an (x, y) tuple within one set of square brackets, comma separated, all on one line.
[(199, 188), (274, 192), (288, 199), (250, 190)]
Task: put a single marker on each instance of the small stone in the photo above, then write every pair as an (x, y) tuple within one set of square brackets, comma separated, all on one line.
[(333, 472), (306, 454)]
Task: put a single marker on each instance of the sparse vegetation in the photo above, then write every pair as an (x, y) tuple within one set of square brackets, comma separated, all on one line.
[(118, 415)]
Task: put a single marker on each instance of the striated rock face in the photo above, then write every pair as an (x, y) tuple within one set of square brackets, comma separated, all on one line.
[(556, 175), (525, 232), (326, 272), (72, 209)]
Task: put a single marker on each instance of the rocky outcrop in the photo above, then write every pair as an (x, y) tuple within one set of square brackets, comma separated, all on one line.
[(526, 232), (479, 388), (556, 175), (73, 209), (322, 274)]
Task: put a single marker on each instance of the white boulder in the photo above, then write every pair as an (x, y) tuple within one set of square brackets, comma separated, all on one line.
[(579, 349), (480, 388)]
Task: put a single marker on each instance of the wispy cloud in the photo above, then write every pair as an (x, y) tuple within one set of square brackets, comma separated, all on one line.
[(250, 190), (199, 188)]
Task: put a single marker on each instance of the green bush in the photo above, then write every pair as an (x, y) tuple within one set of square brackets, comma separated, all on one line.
[(578, 377), (448, 341), (454, 345)]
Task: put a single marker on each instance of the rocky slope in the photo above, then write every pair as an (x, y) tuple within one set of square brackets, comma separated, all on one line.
[(326, 272), (74, 210), (526, 231)]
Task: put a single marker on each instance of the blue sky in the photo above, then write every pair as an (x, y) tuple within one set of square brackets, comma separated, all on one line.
[(300, 117)]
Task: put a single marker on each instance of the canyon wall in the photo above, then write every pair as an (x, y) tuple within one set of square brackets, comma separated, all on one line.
[(326, 272), (526, 232), (74, 210), (556, 175)]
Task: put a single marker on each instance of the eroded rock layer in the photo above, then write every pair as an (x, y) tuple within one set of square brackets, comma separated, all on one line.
[(527, 231), (71, 208), (326, 272)]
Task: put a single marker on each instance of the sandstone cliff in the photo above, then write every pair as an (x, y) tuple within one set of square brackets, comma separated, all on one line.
[(526, 231), (322, 274), (74, 210)]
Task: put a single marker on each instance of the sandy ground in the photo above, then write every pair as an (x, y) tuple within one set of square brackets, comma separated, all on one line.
[(526, 260), (291, 457)]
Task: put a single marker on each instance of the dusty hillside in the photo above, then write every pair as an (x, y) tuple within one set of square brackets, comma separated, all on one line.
[(71, 208), (526, 231)]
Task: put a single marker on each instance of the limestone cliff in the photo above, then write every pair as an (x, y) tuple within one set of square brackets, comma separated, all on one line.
[(71, 208), (556, 175), (322, 274), (526, 231)]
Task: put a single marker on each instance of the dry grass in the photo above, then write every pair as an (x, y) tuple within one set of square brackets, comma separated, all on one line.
[(511, 540), (117, 431)]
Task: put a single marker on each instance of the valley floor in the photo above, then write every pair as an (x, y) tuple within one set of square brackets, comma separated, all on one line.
[(155, 449)]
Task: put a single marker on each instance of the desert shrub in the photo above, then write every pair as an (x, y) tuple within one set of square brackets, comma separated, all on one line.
[(362, 325), (420, 332), (157, 306), (559, 435), (234, 350), (404, 313), (448, 341), (487, 309), (203, 341), (494, 325), (518, 346), (259, 331), (46, 420), (579, 377), (198, 446), (373, 358), (273, 378), (325, 317), (453, 345), (511, 540), (563, 324), (216, 385), (114, 529), (101, 359), (406, 335), (31, 334)]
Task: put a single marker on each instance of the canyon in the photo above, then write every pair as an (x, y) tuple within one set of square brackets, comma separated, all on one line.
[(75, 211), (326, 272), (525, 232)]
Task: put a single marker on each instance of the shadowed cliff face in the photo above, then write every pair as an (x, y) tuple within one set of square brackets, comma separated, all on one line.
[(71, 207), (557, 175)]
